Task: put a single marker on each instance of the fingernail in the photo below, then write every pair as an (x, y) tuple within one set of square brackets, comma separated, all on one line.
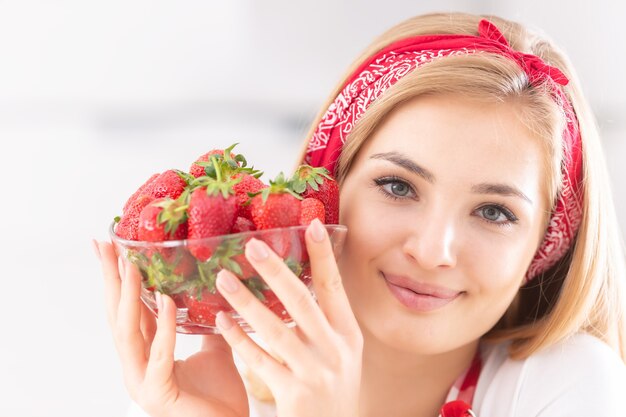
[(227, 281), (257, 250), (159, 300), (96, 248), (317, 230), (223, 321), (121, 267)]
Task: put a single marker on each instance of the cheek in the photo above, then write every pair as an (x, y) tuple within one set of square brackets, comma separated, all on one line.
[(496, 268), (365, 236), (496, 263), (369, 235)]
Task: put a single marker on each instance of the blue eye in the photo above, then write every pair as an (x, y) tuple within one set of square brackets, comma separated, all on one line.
[(395, 188), (495, 213), (398, 188)]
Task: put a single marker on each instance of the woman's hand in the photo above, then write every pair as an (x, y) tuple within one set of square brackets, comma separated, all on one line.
[(320, 371), (205, 384)]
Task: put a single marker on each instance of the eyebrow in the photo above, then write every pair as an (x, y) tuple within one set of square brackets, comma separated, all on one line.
[(404, 162), (483, 188), (501, 189)]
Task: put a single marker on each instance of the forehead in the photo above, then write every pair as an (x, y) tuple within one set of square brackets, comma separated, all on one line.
[(449, 131)]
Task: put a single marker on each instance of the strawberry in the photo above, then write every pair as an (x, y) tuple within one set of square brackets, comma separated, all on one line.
[(202, 308), (243, 225), (248, 184), (279, 240), (273, 303), (160, 221), (260, 289), (170, 184), (305, 273), (275, 206), (197, 169), (202, 166), (184, 264), (311, 208), (144, 189), (209, 215), (212, 211), (244, 269), (128, 226), (165, 269), (229, 254), (317, 183)]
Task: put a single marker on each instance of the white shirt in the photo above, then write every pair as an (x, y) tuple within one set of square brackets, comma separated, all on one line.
[(579, 377)]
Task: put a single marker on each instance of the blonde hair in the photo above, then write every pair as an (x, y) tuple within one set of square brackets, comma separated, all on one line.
[(585, 291)]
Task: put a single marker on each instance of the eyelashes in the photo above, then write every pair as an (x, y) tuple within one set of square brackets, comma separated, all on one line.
[(497, 213), (398, 189), (395, 188)]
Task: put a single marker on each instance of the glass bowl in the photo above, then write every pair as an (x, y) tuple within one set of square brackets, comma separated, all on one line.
[(186, 270)]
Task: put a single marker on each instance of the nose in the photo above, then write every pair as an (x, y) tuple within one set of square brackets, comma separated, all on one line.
[(432, 243)]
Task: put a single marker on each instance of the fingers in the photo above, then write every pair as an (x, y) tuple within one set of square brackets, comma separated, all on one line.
[(292, 292), (128, 337), (148, 327), (112, 281), (327, 283), (257, 359), (269, 327), (137, 335), (129, 309), (161, 362)]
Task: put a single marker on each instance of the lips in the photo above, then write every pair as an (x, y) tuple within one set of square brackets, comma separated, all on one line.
[(419, 296)]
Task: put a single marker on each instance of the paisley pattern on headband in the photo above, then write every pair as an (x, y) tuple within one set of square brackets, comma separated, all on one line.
[(370, 84)]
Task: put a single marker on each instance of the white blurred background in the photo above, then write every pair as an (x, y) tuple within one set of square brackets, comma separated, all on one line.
[(96, 96)]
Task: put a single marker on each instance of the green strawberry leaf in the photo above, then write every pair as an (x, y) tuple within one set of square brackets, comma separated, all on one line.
[(256, 286)]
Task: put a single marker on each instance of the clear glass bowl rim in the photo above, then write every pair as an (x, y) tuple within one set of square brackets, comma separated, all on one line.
[(184, 242)]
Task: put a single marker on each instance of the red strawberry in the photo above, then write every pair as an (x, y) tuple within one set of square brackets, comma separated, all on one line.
[(182, 262), (270, 299), (243, 225), (278, 211), (248, 184), (128, 226), (202, 309), (166, 269), (311, 208), (260, 289), (144, 189), (246, 270), (198, 168), (279, 241), (317, 183), (170, 184), (159, 221), (212, 212), (275, 206), (305, 274)]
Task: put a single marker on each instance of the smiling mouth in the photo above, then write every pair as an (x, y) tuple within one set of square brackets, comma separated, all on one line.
[(420, 297)]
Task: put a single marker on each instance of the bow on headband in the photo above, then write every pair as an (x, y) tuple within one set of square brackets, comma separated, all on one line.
[(537, 70), (386, 67)]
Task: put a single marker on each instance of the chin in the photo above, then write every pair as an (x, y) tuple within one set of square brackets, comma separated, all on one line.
[(406, 333)]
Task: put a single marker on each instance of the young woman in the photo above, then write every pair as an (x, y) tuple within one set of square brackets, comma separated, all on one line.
[(483, 272)]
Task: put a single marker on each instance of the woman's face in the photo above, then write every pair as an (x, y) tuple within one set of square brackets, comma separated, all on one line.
[(445, 206)]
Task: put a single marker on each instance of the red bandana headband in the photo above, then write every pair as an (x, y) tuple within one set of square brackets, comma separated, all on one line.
[(388, 66)]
